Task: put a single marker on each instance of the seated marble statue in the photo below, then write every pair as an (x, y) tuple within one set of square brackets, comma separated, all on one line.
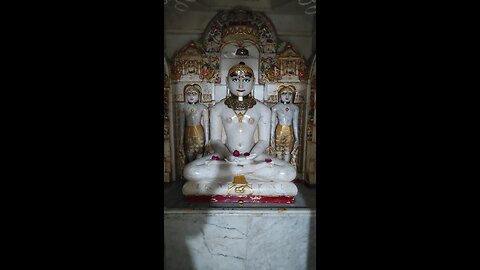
[(240, 115)]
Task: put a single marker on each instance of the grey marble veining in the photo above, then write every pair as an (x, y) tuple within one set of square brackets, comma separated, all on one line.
[(231, 236), (281, 242), (232, 239)]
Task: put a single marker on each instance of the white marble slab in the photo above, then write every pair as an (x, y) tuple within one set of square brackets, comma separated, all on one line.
[(246, 239), (256, 188)]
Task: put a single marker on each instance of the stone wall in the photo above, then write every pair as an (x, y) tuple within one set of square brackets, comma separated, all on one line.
[(182, 27)]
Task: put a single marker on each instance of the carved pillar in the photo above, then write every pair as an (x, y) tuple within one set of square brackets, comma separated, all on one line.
[(167, 160), (311, 130), (168, 133)]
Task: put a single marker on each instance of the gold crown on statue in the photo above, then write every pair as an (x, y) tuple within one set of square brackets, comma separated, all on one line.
[(192, 88), (240, 33), (284, 88), (240, 68)]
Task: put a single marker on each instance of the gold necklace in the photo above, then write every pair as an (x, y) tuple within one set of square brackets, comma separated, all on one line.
[(240, 115), (236, 105)]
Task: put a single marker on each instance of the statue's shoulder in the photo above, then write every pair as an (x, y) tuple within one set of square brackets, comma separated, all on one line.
[(218, 106), (261, 106), (274, 107)]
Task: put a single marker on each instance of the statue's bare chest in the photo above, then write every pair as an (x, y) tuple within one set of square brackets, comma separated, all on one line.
[(248, 117), (192, 111), (285, 111)]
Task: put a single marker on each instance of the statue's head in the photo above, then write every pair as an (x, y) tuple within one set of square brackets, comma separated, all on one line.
[(286, 93), (240, 80), (192, 93)]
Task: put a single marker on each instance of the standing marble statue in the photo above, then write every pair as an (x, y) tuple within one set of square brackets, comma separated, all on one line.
[(284, 124), (194, 124), (239, 115)]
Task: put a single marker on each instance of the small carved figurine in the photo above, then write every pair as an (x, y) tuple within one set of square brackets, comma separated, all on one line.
[(194, 123), (284, 124)]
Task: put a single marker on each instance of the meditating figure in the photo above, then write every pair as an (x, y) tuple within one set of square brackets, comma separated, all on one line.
[(194, 123), (284, 125), (240, 157)]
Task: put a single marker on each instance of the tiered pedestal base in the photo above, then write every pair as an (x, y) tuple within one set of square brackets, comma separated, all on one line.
[(240, 199), (251, 192)]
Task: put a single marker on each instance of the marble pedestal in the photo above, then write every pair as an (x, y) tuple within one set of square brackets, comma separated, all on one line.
[(253, 191), (229, 236)]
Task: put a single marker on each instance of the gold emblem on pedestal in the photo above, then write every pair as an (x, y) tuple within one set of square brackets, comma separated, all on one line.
[(239, 184)]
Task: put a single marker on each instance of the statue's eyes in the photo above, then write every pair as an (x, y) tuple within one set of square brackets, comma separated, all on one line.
[(234, 79), (246, 80)]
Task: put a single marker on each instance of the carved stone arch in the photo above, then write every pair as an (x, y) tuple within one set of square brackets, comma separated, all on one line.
[(253, 26)]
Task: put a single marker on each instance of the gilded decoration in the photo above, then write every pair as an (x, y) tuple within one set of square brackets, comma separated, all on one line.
[(292, 65), (239, 184), (192, 87), (238, 25), (297, 88), (269, 71), (210, 69), (205, 89), (239, 34), (235, 104), (188, 62)]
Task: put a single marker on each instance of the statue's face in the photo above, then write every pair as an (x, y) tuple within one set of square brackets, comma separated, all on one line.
[(286, 96), (240, 83), (191, 96)]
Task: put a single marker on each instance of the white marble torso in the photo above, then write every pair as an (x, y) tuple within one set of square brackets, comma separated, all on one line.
[(240, 135), (193, 113), (285, 113)]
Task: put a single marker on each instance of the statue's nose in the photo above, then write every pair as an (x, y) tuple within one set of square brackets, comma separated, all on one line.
[(240, 83)]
